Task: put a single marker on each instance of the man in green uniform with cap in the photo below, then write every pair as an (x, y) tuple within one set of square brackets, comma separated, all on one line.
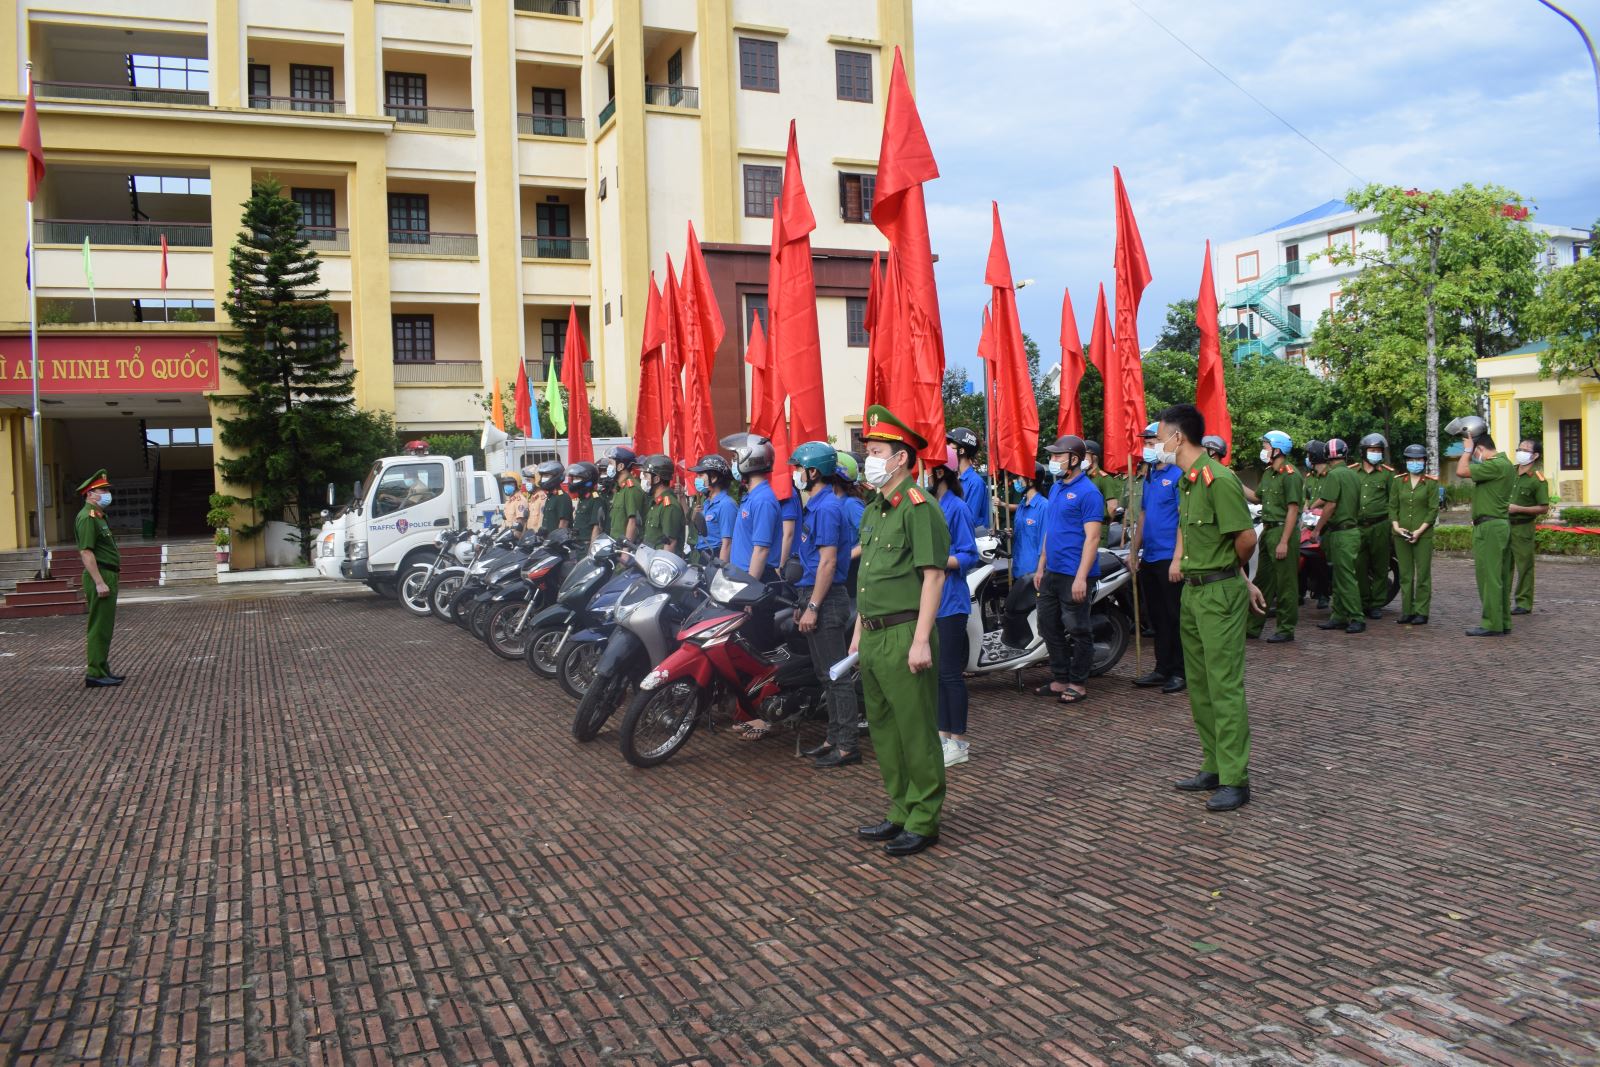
[(1281, 494), (1493, 477), (628, 500), (1215, 539), (664, 522), (1372, 559), (101, 564), (1413, 513), (1530, 499), (1341, 539), (905, 544)]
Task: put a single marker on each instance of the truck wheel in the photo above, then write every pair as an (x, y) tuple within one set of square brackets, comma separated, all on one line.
[(414, 589), (598, 704), (659, 721), (1111, 633), (501, 633), (576, 672), (542, 645), (443, 593)]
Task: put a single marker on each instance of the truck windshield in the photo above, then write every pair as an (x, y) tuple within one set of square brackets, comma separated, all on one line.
[(366, 483)]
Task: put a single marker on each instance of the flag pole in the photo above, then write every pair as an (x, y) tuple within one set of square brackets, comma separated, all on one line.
[(1138, 627), (33, 349)]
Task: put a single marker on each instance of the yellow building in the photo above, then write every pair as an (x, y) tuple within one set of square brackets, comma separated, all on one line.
[(1571, 420), (466, 168)]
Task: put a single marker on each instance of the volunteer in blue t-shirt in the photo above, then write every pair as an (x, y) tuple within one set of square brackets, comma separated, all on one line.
[(1150, 558), (955, 606), (1067, 571), (758, 530), (1027, 524), (711, 477), (974, 490)]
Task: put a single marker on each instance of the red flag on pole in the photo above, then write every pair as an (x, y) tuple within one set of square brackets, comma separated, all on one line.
[(701, 331), (766, 407), (774, 422), (163, 261), (797, 344), (1015, 430), (1123, 434), (880, 322), (30, 142), (1211, 391), (672, 362), (1069, 412), (523, 415), (1101, 344), (573, 358), (649, 420), (905, 162)]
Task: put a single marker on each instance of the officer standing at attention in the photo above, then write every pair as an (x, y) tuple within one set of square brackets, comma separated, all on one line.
[(558, 508), (1155, 540), (974, 490), (758, 529), (711, 477), (628, 498), (516, 502), (905, 546), (1530, 498), (1281, 493), (663, 523), (1493, 478), (588, 515), (1372, 560), (1341, 539), (101, 565), (1413, 513), (1215, 539)]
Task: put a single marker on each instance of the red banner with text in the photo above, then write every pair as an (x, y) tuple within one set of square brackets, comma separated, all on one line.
[(125, 364)]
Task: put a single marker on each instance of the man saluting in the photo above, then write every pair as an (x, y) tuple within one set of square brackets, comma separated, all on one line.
[(101, 564)]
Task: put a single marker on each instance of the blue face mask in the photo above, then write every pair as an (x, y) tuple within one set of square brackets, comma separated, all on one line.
[(699, 483), (736, 471), (509, 490), (1019, 486), (1414, 466)]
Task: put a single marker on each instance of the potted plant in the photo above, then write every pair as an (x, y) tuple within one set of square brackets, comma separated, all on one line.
[(223, 539), (218, 517)]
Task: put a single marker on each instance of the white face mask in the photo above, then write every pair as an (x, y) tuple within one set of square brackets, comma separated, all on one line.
[(1374, 458), (1266, 455), (799, 480), (1056, 469), (1524, 458), (876, 471), (1164, 456)]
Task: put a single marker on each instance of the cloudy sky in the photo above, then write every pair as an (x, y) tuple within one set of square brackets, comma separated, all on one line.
[(1031, 102)]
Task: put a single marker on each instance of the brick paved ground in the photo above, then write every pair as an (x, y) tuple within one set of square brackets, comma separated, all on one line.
[(314, 829)]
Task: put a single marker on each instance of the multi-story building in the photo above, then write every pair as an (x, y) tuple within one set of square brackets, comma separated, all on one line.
[(1274, 287), (468, 170)]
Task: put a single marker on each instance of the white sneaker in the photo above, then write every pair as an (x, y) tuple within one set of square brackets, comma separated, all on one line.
[(955, 751)]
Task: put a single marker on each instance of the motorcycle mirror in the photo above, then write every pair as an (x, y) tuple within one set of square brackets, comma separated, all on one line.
[(793, 571)]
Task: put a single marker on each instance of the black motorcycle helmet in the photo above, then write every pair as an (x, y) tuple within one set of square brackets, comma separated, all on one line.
[(1041, 478), (551, 472), (1072, 445), (1337, 449), (582, 477), (623, 457), (1316, 452), (1091, 447), (1415, 452), (1215, 445), (657, 466), (1375, 440), (716, 469), (964, 440)]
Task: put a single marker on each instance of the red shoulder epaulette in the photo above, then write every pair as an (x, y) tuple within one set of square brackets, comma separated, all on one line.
[(916, 495), (1539, 475), (894, 501), (1194, 476), (1429, 478), (1209, 477), (1385, 467)]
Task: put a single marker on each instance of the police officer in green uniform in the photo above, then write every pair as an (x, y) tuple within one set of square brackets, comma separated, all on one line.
[(557, 504), (1111, 487), (628, 498), (664, 522), (1413, 513), (1341, 539), (1215, 539), (588, 515), (1372, 557), (1492, 477), (101, 564), (1281, 494), (905, 544), (1530, 498)]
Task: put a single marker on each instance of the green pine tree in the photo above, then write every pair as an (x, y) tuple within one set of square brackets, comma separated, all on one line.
[(292, 423)]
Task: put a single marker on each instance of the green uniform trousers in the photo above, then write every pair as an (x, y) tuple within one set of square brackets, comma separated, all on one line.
[(1416, 573), (1491, 562), (1522, 564), (902, 716), (1211, 624), (1278, 580), (102, 620), (1342, 549), (1372, 565)]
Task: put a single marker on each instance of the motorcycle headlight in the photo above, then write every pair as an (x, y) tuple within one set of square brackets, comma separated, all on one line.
[(663, 569), (606, 614), (626, 611)]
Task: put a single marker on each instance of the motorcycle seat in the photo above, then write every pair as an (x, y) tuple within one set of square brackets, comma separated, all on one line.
[(1110, 563)]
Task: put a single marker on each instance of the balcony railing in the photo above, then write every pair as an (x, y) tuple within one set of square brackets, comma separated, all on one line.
[(441, 371), (606, 112), (672, 95), (327, 238), (324, 105), (430, 243), (453, 3), (127, 94), (548, 7), (105, 232), (551, 125), (555, 247), (442, 118)]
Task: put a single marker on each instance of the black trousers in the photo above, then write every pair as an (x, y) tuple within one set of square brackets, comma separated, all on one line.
[(1064, 624), (1160, 600)]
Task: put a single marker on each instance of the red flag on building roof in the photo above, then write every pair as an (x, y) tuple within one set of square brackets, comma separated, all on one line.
[(1069, 412), (29, 141), (649, 420), (574, 357), (1014, 429), (792, 305), (1125, 426), (1211, 391)]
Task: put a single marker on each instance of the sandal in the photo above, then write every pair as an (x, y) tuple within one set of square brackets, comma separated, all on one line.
[(1047, 690), (1072, 696), (754, 729)]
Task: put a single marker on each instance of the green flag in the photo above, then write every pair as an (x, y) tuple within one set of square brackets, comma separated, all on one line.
[(88, 267), (552, 398)]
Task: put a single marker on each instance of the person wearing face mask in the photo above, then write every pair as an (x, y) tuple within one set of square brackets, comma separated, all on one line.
[(1069, 565), (663, 523), (1150, 555), (905, 548), (628, 498), (711, 476), (955, 607), (847, 487), (758, 529), (1027, 523), (1372, 558), (1413, 513), (1493, 478), (974, 490), (557, 512), (1281, 494), (1110, 486), (588, 513), (1318, 582), (1340, 534), (515, 502), (1530, 498), (101, 565)]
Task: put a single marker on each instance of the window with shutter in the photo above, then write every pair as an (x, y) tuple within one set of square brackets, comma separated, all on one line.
[(758, 64)]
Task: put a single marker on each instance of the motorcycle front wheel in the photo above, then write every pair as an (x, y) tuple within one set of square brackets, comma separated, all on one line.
[(414, 590), (659, 722), (502, 634), (478, 619), (1112, 631), (444, 593), (598, 704), (576, 672), (541, 650)]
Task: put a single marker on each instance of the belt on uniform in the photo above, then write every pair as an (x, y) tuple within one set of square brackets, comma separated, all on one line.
[(1529, 521), (1366, 523), (883, 622), (1340, 527), (113, 570), (1207, 579), (1481, 519)]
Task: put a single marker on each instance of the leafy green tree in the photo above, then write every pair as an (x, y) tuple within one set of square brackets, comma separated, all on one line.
[(1182, 332), (291, 424), (1451, 281), (1568, 316)]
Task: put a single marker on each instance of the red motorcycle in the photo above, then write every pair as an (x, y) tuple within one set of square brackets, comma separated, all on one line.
[(740, 647)]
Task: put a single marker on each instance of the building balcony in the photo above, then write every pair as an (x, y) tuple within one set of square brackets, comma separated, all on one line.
[(569, 8), (327, 238), (320, 105), (607, 113), (440, 372), (432, 243), (439, 118), (107, 232), (555, 247), (684, 96), (566, 126), (122, 94)]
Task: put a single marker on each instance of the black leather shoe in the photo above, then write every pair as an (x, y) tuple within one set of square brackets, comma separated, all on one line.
[(1419, 620), (1375, 613), (1322, 603), (1404, 620), (1228, 798), (820, 750), (1356, 628), (1248, 636), (907, 843), (1478, 631), (1522, 611), (1203, 782), (838, 758), (1279, 638), (101, 683), (1151, 680), (117, 677), (882, 831), (1332, 624), (1175, 684)]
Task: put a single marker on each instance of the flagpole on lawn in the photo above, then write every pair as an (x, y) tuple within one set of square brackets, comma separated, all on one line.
[(33, 348)]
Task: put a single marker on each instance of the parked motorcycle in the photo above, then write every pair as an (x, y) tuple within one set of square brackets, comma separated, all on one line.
[(447, 581), (514, 602), (1017, 642), (501, 563), (417, 581), (545, 632), (1312, 556)]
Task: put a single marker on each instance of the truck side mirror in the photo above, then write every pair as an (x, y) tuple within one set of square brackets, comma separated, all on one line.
[(330, 494)]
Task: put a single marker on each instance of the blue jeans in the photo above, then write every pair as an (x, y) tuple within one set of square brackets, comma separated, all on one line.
[(952, 665)]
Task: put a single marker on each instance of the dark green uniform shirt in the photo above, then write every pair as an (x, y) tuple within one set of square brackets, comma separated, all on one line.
[(557, 506), (627, 502), (1341, 488), (1211, 509), (94, 535), (664, 521), (1314, 487), (1110, 486), (902, 534), (1374, 492), (1529, 491), (1278, 491), (589, 513), (1491, 491), (1412, 505)]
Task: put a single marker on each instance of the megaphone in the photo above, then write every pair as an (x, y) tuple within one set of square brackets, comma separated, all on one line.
[(493, 437)]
